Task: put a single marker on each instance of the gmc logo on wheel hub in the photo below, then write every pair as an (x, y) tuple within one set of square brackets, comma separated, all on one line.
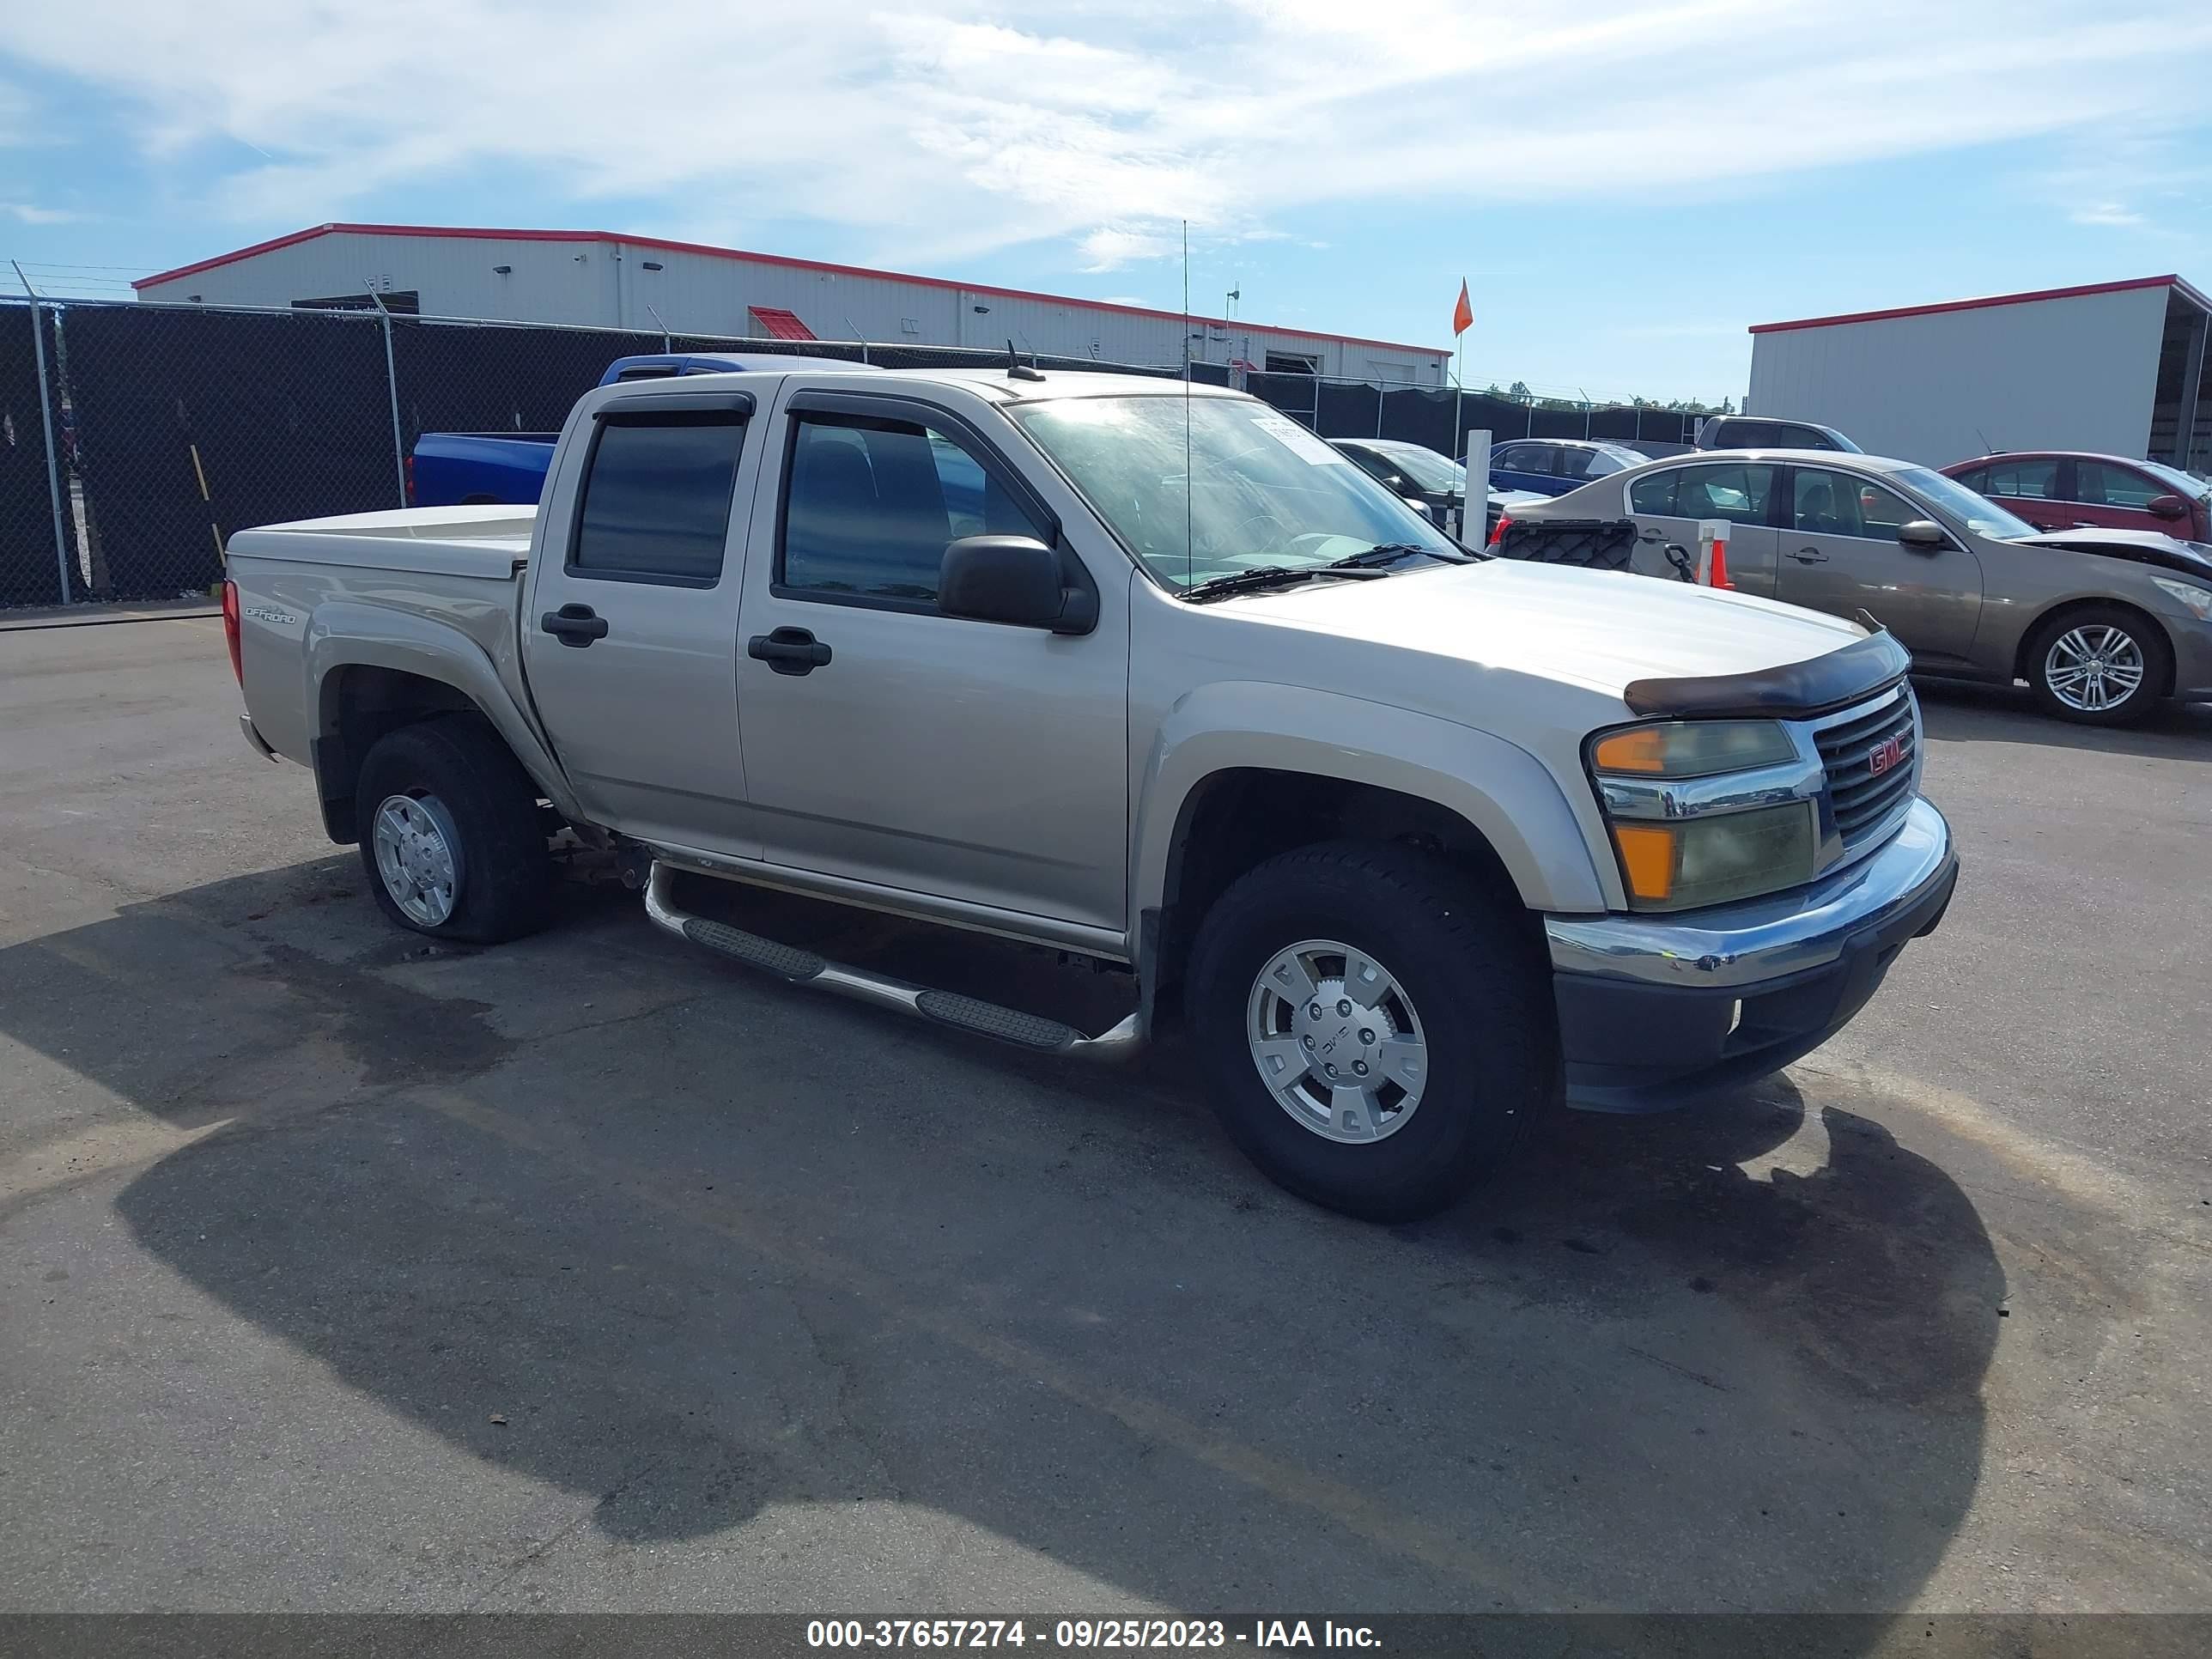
[(1888, 753)]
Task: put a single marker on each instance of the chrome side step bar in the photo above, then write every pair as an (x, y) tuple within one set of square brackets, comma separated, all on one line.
[(797, 967)]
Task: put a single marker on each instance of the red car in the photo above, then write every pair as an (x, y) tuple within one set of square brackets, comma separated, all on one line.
[(2060, 489)]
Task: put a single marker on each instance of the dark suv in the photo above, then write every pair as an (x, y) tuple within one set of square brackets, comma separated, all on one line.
[(1757, 432)]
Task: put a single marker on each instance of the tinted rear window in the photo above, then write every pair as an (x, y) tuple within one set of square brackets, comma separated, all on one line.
[(656, 498)]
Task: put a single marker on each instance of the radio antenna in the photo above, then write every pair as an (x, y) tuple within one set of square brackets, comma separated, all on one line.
[(1189, 545)]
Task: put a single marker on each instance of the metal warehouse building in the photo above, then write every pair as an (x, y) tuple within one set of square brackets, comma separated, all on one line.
[(2117, 368), (595, 278)]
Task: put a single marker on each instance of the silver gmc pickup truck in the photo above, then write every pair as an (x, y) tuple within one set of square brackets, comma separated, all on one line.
[(1413, 840)]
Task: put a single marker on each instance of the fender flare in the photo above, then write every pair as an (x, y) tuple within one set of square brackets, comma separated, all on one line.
[(1517, 806), (345, 634)]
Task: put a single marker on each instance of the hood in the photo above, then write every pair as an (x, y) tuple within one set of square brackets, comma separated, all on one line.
[(1601, 629), (2136, 546)]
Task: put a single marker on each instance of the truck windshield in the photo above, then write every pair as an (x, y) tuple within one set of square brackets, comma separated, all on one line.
[(1245, 488)]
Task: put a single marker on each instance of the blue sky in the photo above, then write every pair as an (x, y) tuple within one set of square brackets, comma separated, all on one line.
[(1626, 186)]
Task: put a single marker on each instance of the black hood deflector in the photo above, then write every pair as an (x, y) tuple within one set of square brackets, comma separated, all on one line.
[(1818, 685)]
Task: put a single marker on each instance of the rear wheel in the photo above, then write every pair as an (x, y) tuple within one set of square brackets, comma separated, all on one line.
[(450, 833), (1376, 1029), (2100, 666)]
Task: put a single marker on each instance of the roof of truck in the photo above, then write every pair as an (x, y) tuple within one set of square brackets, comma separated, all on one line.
[(992, 382)]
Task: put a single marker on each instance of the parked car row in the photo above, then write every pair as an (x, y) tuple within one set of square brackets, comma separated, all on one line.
[(1431, 481), (2100, 622)]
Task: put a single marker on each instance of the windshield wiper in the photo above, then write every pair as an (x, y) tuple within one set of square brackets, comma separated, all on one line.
[(1263, 576), (1383, 554)]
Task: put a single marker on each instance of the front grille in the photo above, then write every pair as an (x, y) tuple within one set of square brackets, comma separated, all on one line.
[(1862, 799)]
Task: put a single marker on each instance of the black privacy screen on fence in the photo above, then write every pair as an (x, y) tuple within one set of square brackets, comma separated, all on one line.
[(191, 424), (30, 573), (456, 377), (175, 426), (1440, 418)]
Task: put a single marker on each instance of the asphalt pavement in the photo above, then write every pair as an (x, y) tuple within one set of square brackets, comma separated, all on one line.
[(341, 1270)]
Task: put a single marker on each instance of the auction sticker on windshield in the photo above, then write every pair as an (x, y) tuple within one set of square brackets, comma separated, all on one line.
[(1299, 442)]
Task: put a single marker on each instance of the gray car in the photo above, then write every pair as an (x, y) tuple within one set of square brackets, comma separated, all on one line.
[(2101, 624)]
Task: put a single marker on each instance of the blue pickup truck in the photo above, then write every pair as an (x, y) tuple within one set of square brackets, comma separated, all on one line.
[(470, 468)]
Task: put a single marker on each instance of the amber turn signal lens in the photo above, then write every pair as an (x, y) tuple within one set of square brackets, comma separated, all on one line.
[(1642, 750), (1647, 855)]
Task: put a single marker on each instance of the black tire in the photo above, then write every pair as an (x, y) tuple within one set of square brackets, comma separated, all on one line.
[(2157, 660), (1471, 971), (504, 879)]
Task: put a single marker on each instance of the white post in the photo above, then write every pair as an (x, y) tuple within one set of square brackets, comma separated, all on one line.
[(1478, 485), (53, 455), (1711, 533)]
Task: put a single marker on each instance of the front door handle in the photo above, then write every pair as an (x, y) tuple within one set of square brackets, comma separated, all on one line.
[(1650, 535), (1809, 556), (574, 624), (788, 651)]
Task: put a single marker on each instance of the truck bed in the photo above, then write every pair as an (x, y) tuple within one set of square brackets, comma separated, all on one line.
[(486, 542)]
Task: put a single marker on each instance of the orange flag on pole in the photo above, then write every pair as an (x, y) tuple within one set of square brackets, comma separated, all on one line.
[(1463, 313)]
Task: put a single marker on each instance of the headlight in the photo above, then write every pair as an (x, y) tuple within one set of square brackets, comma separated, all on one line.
[(2198, 599), (1678, 866), (1684, 749), (1703, 812)]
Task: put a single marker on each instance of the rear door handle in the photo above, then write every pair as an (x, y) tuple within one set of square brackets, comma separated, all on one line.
[(788, 651), (1809, 556), (1650, 535), (574, 624)]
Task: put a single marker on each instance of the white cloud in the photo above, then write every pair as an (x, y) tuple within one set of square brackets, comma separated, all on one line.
[(943, 129), (2107, 212), (1112, 247), (30, 213)]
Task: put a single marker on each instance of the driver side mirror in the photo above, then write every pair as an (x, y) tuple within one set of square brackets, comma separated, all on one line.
[(2167, 506), (1924, 536), (1015, 580)]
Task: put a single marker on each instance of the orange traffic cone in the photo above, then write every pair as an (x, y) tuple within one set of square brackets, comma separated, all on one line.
[(1720, 575)]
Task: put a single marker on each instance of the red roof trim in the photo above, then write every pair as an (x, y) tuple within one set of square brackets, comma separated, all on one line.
[(784, 260), (2167, 280)]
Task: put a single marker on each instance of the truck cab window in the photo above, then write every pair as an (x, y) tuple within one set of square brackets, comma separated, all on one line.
[(871, 504), (656, 498)]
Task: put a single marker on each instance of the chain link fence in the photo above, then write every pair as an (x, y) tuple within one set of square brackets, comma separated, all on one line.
[(134, 438), (1440, 418)]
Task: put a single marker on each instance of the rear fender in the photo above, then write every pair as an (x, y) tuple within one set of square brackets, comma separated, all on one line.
[(343, 635)]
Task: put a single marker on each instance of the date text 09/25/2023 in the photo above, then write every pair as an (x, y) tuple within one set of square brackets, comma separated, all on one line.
[(1124, 1633)]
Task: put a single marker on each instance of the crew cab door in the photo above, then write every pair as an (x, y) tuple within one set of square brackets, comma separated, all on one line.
[(886, 743), (630, 619), (1841, 555)]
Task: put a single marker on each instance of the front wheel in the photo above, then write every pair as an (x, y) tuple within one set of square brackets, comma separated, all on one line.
[(2103, 666), (1378, 1031), (450, 833)]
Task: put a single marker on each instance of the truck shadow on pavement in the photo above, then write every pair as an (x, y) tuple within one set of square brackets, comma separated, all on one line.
[(723, 1262)]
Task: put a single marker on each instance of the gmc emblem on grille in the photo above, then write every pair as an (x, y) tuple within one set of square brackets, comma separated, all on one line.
[(1885, 755)]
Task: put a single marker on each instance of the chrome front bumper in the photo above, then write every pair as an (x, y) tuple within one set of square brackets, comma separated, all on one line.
[(1655, 1012)]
